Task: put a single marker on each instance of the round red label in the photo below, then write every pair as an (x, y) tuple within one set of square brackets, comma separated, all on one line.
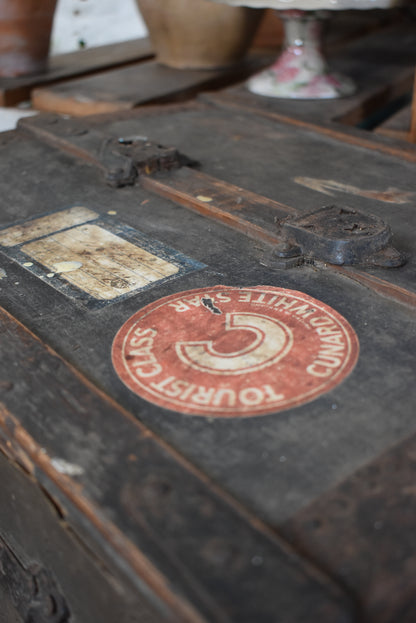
[(229, 352)]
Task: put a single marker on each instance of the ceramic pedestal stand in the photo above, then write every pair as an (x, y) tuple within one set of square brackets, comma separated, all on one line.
[(301, 72)]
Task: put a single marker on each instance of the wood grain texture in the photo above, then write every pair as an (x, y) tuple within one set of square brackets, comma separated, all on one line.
[(201, 531), (36, 530), (365, 523), (252, 214), (123, 489), (98, 262), (381, 77), (381, 286), (350, 135), (45, 225), (397, 126)]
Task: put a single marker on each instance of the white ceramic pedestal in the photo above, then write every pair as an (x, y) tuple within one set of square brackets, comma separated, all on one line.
[(301, 71)]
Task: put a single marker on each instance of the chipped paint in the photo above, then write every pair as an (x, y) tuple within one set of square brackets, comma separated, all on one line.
[(209, 304), (329, 187), (64, 467), (66, 267)]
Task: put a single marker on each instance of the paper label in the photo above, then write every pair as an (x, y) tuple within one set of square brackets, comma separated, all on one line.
[(230, 352)]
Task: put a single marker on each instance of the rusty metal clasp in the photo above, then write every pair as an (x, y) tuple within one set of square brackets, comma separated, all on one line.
[(338, 235), (125, 159)]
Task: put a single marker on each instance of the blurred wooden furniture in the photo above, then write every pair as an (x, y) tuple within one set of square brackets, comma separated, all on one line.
[(73, 64)]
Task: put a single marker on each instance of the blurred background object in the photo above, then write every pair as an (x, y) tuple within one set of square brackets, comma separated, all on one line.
[(197, 34), (301, 71), (31, 29), (25, 30), (101, 55), (82, 24), (33, 32), (270, 33)]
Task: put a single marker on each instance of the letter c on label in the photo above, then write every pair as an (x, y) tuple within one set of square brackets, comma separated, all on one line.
[(272, 341)]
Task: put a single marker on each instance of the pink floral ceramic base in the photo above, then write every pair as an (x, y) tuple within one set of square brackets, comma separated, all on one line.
[(301, 71)]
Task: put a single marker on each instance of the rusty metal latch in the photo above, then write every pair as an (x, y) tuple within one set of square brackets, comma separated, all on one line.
[(340, 236), (125, 159), (333, 234)]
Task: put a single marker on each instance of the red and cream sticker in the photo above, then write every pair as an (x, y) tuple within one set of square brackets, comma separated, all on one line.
[(233, 352)]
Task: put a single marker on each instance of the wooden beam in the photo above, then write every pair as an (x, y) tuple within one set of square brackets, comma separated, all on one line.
[(74, 64)]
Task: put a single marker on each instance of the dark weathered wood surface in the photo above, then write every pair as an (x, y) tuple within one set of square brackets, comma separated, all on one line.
[(274, 160), (398, 125), (152, 509), (64, 66), (381, 78), (374, 510), (36, 529), (298, 516), (263, 156)]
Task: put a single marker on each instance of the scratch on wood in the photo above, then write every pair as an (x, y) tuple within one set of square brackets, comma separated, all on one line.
[(382, 287), (65, 467), (8, 443), (329, 187)]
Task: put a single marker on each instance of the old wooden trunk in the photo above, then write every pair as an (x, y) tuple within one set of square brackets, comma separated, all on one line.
[(207, 406)]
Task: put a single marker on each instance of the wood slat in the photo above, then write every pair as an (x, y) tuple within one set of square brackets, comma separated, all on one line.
[(397, 126), (367, 523), (381, 77), (252, 214), (139, 84), (64, 66)]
